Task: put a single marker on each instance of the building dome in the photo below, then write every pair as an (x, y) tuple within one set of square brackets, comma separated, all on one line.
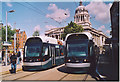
[(81, 15), (80, 8)]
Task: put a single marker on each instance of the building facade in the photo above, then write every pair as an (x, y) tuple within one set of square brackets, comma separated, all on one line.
[(21, 38), (55, 32), (82, 18)]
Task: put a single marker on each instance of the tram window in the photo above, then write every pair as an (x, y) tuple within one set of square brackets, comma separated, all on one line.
[(52, 51), (91, 50), (37, 49), (61, 51), (57, 52), (45, 50), (77, 49), (32, 51), (33, 47)]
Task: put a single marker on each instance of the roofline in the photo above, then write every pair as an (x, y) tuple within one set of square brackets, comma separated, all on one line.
[(89, 35)]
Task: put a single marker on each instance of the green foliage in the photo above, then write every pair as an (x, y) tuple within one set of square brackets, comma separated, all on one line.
[(10, 33), (36, 33), (72, 28)]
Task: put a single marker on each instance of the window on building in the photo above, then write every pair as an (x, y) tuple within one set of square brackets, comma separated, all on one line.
[(81, 18)]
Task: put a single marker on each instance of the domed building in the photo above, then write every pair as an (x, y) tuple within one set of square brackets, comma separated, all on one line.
[(81, 17)]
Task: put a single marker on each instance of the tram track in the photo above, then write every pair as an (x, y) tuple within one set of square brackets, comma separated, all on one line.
[(84, 79), (3, 76), (25, 76), (64, 77)]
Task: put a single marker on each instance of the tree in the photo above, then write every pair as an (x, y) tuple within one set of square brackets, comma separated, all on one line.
[(72, 28), (36, 33), (10, 33)]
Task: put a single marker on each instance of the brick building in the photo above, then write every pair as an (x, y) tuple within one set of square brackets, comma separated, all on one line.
[(20, 39)]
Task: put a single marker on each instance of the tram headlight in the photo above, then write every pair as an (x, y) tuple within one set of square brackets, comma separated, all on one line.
[(69, 60), (85, 60)]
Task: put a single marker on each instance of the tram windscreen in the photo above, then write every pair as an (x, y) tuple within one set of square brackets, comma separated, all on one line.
[(77, 48), (33, 47)]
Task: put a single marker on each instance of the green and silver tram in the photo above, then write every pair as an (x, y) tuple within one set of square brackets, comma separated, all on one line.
[(79, 50), (42, 53)]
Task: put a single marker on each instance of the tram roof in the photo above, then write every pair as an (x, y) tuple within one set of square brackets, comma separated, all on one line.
[(46, 39), (89, 35)]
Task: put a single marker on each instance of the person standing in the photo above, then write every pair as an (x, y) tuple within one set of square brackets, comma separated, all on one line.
[(18, 57), (3, 55), (13, 59)]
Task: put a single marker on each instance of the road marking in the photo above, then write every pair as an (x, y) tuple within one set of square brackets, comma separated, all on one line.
[(7, 75), (85, 77), (25, 76), (63, 77)]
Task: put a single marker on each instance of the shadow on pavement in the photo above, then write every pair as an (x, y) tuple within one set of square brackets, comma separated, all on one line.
[(79, 71), (71, 71), (38, 70)]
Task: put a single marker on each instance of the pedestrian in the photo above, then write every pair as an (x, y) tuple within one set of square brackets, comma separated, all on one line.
[(18, 57), (3, 55), (9, 55), (13, 59)]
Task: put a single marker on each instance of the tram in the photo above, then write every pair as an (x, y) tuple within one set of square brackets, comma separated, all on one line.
[(42, 53), (79, 50)]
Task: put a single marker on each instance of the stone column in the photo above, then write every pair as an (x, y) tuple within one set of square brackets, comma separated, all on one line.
[(80, 18)]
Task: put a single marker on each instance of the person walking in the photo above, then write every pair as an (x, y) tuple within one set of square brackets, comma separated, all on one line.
[(13, 59)]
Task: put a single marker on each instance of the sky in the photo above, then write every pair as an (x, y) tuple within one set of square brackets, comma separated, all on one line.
[(42, 16)]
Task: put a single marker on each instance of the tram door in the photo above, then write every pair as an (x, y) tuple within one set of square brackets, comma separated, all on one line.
[(53, 55)]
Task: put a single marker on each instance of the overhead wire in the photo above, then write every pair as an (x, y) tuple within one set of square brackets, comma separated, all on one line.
[(42, 12), (36, 10), (28, 8)]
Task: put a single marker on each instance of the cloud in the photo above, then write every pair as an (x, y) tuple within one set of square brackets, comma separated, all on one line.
[(37, 28), (42, 34), (58, 14), (50, 26), (107, 32), (100, 10), (101, 28), (9, 4)]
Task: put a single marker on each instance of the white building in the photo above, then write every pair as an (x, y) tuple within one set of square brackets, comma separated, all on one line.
[(55, 32), (81, 18)]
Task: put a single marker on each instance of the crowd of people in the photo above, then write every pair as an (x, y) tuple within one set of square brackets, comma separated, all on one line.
[(12, 58)]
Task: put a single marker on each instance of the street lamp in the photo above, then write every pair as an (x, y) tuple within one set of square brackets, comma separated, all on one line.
[(6, 21), (6, 34)]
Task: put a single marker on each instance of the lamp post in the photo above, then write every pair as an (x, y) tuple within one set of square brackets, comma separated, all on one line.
[(15, 39), (6, 34)]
